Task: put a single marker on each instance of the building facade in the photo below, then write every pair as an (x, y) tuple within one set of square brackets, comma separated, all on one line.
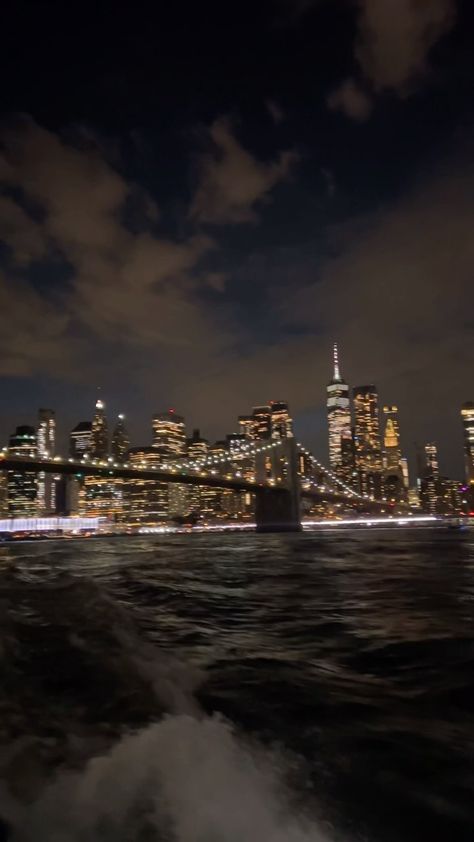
[(467, 417), (339, 416), (22, 486), (46, 440), (120, 441), (367, 440), (100, 434), (281, 424), (80, 440)]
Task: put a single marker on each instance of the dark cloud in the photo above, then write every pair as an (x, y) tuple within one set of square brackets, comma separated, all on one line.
[(394, 38), (232, 181), (351, 100)]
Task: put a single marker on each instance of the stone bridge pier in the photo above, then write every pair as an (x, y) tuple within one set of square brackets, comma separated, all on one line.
[(277, 507)]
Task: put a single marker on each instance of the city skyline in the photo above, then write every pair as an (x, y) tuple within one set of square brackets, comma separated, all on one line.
[(316, 438), (198, 237)]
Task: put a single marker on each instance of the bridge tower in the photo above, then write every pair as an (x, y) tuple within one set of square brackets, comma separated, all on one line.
[(277, 507)]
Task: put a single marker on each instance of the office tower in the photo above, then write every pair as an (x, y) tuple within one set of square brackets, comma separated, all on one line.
[(102, 497), (405, 474), (169, 435), (46, 434), (197, 449), (339, 415), (120, 440), (80, 440), (281, 425), (145, 500), (431, 460), (467, 416), (395, 483), (23, 485), (169, 442), (347, 471), (430, 484), (392, 451), (46, 440), (262, 422), (100, 436), (247, 426), (367, 440)]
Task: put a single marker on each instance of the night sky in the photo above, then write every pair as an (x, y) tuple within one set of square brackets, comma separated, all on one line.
[(197, 200)]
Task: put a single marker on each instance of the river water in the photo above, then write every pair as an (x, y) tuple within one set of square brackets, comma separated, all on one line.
[(238, 688)]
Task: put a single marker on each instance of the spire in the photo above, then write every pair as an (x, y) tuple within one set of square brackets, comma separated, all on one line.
[(337, 375)]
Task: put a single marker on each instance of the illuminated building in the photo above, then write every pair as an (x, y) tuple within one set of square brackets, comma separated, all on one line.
[(392, 452), (46, 440), (146, 500), (169, 442), (405, 473), (120, 440), (262, 422), (467, 416), (367, 440), (347, 471), (169, 435), (431, 460), (339, 416), (22, 486), (197, 450), (80, 440), (102, 497), (281, 425), (247, 426), (100, 435), (46, 434), (395, 484)]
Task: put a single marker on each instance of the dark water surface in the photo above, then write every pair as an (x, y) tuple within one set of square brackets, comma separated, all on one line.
[(224, 688)]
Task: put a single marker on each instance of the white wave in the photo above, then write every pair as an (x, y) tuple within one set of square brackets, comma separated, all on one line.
[(182, 779)]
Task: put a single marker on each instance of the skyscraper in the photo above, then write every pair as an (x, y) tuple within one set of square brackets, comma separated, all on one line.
[(247, 426), (339, 415), (467, 416), (169, 443), (80, 440), (100, 435), (120, 440), (46, 440), (367, 439), (23, 485), (169, 435), (281, 424), (262, 422), (431, 460), (391, 440), (46, 435)]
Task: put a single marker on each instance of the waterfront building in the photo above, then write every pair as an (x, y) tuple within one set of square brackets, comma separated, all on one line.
[(80, 440), (102, 497), (197, 449), (100, 435), (46, 441), (146, 500), (467, 416), (46, 433), (367, 440), (22, 486), (120, 440), (169, 442), (339, 417)]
